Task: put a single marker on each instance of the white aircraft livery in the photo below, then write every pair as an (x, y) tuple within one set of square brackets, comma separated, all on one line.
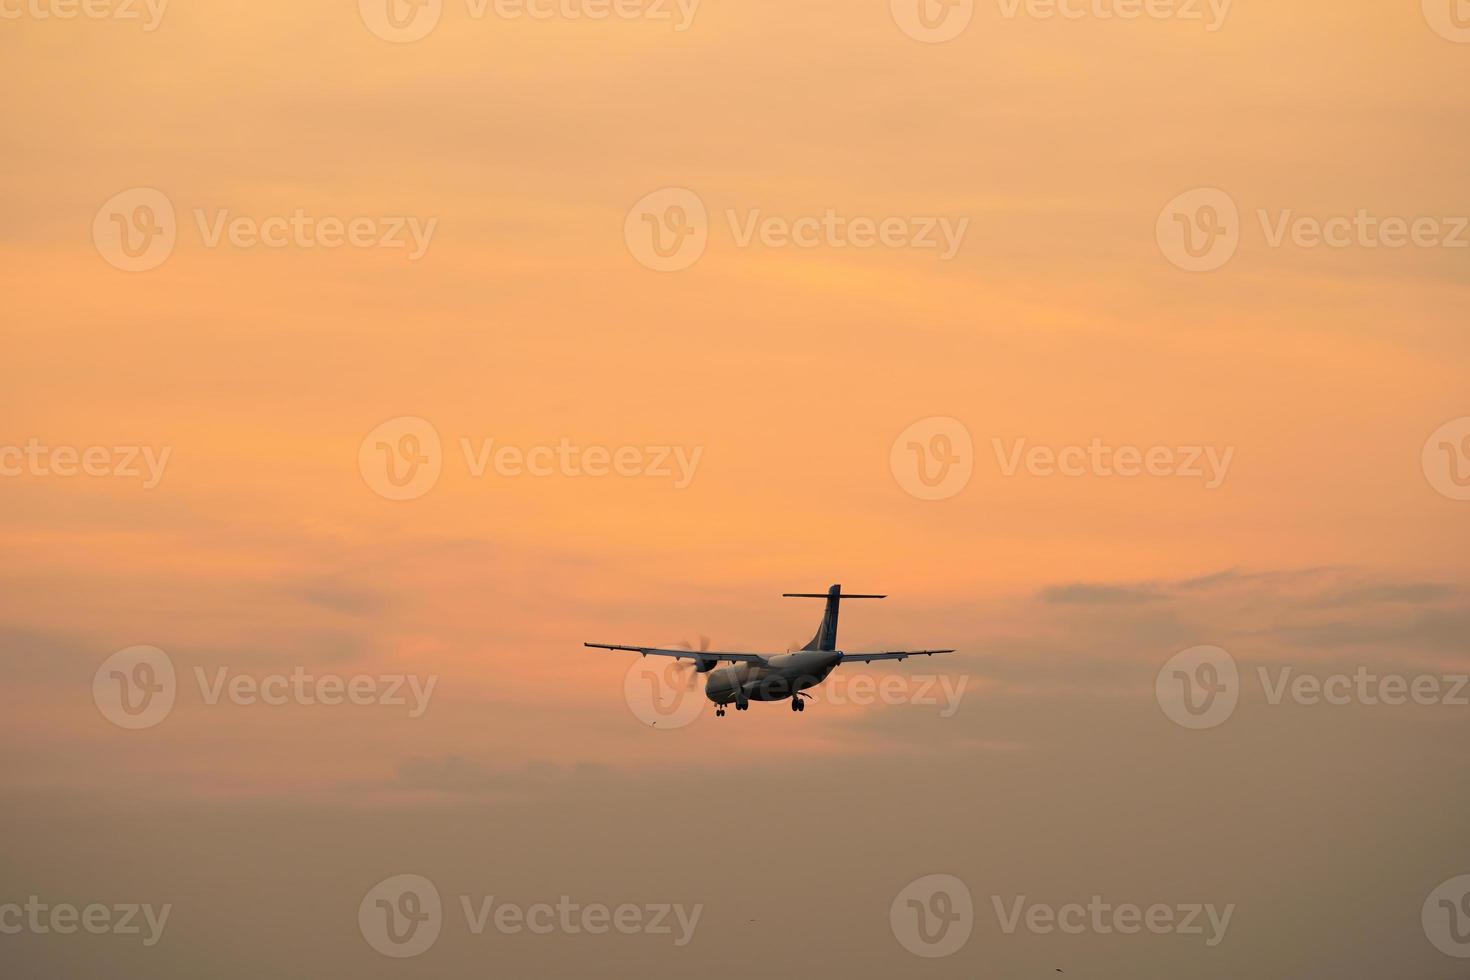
[(775, 676)]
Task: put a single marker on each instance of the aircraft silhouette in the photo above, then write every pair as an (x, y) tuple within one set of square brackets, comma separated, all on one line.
[(775, 676)]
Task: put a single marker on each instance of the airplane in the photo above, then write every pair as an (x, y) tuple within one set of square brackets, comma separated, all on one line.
[(775, 676)]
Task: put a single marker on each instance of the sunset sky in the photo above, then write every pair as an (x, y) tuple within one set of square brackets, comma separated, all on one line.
[(1326, 380)]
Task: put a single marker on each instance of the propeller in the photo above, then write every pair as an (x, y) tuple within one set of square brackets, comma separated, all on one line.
[(686, 667)]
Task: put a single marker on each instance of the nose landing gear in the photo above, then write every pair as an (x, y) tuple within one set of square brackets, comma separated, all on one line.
[(797, 704)]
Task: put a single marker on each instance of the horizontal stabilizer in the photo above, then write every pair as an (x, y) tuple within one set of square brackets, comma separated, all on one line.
[(828, 595)]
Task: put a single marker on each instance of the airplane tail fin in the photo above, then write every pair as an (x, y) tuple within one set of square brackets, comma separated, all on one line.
[(826, 638)]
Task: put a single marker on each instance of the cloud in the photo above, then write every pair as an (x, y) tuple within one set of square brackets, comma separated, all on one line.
[(1085, 593), (339, 597), (1266, 615), (1392, 592), (456, 775)]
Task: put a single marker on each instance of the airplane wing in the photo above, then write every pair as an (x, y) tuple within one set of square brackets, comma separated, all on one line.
[(868, 658), (682, 654)]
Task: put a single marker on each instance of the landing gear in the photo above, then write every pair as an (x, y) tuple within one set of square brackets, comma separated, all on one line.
[(719, 712), (797, 704)]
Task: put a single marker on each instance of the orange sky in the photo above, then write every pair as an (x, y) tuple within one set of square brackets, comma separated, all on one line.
[(529, 320)]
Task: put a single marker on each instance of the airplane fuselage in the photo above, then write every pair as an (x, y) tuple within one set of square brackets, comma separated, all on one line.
[(782, 677)]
